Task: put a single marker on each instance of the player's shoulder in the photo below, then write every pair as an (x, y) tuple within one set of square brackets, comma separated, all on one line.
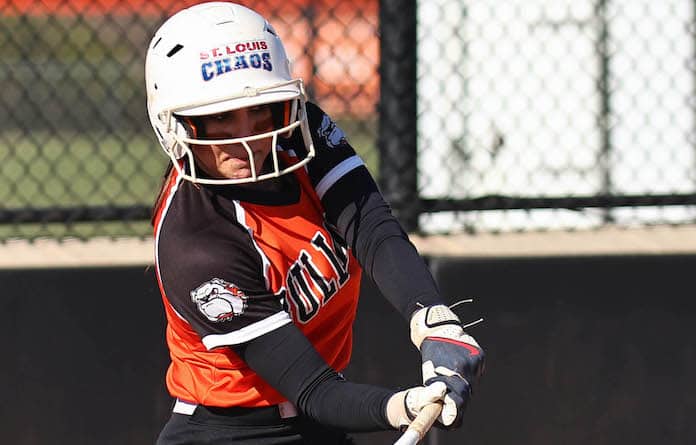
[(191, 249), (334, 157), (196, 224), (313, 110), (325, 130), (185, 211)]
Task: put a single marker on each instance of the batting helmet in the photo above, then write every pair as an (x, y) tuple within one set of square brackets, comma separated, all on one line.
[(217, 57)]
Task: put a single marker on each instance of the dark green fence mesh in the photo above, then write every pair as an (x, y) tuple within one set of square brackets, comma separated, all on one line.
[(495, 115), (77, 154)]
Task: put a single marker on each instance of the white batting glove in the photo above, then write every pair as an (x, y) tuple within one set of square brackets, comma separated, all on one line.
[(448, 355), (404, 406)]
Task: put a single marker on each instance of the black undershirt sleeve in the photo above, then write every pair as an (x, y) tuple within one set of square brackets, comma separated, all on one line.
[(358, 213), (290, 364)]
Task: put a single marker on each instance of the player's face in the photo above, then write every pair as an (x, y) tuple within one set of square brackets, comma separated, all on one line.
[(231, 161)]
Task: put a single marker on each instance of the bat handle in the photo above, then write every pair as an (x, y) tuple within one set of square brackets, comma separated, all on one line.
[(421, 425)]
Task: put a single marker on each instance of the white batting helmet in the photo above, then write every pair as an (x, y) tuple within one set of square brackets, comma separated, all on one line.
[(216, 57)]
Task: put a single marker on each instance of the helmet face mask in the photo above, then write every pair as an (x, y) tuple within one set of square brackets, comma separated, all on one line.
[(282, 114), (218, 57)]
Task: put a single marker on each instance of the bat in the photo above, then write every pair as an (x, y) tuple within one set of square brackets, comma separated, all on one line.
[(421, 425)]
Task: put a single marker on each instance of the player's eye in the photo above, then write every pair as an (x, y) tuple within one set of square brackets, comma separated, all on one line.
[(221, 117), (259, 109), (263, 118)]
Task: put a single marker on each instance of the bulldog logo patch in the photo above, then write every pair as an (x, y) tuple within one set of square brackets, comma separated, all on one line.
[(219, 300), (330, 133)]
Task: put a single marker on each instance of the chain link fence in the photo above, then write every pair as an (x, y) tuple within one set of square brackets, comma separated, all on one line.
[(77, 155), (526, 115), (539, 114)]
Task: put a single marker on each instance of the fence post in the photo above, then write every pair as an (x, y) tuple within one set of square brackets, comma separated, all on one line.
[(605, 113), (397, 139)]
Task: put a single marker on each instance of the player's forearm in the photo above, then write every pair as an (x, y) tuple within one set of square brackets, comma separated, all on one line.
[(345, 405), (355, 207), (291, 365), (402, 276)]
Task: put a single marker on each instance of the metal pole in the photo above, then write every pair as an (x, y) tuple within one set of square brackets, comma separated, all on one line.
[(692, 102), (397, 140), (604, 117), (310, 15)]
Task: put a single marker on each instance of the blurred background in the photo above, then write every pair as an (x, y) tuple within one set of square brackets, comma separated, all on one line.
[(475, 116), (542, 153)]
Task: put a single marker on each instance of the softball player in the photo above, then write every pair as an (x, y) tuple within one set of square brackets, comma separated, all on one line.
[(264, 223)]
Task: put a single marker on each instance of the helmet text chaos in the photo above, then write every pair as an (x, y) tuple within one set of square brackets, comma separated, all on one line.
[(235, 56)]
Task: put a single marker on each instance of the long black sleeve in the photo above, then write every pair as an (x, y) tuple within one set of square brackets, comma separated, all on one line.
[(358, 213), (291, 365)]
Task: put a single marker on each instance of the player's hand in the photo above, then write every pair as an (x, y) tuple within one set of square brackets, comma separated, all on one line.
[(404, 406), (449, 355)]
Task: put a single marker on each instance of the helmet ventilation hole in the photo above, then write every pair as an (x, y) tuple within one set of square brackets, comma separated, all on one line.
[(174, 50)]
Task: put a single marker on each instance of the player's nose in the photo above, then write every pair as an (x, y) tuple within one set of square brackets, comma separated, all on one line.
[(245, 122)]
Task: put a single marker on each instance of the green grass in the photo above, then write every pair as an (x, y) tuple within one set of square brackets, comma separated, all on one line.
[(115, 229), (89, 39), (61, 75), (45, 169), (48, 170)]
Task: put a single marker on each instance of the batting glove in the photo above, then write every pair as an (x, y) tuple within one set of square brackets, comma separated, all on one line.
[(404, 406), (448, 355)]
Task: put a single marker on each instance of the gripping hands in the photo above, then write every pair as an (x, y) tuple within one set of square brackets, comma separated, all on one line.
[(404, 406), (448, 355)]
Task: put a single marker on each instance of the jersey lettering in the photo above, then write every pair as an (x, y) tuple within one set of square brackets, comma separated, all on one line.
[(328, 287), (306, 303), (338, 257), (304, 276)]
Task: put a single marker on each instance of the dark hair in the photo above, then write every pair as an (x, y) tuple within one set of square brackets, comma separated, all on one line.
[(166, 177)]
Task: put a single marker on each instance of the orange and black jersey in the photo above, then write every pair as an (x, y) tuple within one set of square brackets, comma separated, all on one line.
[(237, 262)]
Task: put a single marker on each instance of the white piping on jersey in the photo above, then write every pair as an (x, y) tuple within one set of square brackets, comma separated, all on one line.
[(337, 173), (249, 332), (167, 204), (241, 219)]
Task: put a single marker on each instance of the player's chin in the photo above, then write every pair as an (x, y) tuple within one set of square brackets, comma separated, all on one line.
[(240, 168), (240, 173)]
